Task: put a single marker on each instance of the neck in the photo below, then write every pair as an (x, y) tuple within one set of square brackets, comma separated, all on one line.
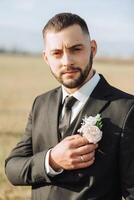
[(72, 90)]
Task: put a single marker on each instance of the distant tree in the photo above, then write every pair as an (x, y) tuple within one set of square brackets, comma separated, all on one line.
[(2, 50)]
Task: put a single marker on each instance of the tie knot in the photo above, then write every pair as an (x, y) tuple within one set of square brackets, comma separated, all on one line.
[(69, 102)]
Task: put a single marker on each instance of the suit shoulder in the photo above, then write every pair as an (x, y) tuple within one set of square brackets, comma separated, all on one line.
[(46, 96), (112, 92), (120, 97), (48, 93), (121, 94)]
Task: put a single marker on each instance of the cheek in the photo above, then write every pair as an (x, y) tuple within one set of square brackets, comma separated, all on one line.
[(54, 65), (84, 59), (54, 69)]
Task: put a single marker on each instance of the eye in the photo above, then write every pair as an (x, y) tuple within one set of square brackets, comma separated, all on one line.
[(77, 49), (56, 53)]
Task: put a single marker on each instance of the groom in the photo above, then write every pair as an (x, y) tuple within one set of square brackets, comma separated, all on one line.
[(52, 156)]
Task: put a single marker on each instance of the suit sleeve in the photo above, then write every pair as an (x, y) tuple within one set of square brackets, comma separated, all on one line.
[(24, 168), (127, 156)]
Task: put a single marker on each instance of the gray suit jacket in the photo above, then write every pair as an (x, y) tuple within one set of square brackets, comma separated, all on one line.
[(112, 174)]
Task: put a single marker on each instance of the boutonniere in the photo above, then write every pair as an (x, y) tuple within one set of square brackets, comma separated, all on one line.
[(91, 128)]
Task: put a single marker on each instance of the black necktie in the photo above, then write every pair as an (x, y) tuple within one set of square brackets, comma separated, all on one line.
[(65, 121)]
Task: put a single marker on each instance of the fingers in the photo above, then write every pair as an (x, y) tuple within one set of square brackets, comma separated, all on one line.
[(83, 158), (72, 137), (73, 152), (85, 149), (88, 157), (81, 164), (76, 141)]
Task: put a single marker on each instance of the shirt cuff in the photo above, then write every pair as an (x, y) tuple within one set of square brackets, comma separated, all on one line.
[(50, 171)]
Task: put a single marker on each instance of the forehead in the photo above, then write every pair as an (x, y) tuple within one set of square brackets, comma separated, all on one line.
[(67, 37)]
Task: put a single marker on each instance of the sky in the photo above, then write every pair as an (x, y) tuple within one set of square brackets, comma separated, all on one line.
[(110, 22)]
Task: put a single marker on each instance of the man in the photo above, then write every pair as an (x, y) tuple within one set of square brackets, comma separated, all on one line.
[(57, 161)]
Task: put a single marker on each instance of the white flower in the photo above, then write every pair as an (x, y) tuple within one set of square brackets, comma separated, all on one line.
[(90, 128)]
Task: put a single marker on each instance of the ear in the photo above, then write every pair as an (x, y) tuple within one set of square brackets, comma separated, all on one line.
[(93, 47), (45, 57)]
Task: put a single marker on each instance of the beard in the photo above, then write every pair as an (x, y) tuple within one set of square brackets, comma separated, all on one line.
[(80, 80)]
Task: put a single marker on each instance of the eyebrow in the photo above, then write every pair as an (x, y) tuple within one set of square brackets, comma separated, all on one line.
[(76, 45), (71, 47)]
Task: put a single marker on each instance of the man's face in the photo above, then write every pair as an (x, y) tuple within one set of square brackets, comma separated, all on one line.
[(69, 55)]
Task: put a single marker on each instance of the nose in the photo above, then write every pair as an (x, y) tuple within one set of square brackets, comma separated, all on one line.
[(67, 59)]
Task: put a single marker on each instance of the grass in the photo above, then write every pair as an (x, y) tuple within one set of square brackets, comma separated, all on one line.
[(21, 80)]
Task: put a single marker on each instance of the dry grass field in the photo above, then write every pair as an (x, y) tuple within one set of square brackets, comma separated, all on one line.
[(21, 80)]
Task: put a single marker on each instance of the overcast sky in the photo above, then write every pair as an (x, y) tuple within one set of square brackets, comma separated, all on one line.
[(111, 23)]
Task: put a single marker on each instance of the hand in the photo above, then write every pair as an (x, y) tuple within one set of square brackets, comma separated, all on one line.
[(73, 152)]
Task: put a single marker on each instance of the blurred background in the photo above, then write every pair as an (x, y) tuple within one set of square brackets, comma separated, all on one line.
[(24, 75)]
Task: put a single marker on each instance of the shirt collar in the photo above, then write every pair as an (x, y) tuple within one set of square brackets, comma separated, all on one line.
[(85, 91)]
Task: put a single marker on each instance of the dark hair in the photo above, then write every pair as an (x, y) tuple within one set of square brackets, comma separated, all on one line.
[(63, 20)]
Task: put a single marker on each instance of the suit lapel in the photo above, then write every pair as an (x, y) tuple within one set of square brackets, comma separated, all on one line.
[(96, 104), (91, 108), (53, 114)]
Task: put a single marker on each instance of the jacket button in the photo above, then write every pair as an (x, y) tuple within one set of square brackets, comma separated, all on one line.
[(80, 175)]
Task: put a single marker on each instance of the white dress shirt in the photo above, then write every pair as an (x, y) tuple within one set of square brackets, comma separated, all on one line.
[(82, 96)]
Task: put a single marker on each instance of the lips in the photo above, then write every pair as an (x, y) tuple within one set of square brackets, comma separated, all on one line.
[(72, 71)]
